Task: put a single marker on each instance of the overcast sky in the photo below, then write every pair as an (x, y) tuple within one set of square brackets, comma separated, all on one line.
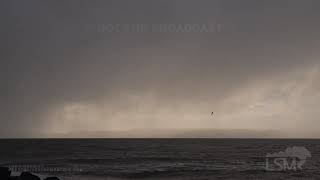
[(63, 71)]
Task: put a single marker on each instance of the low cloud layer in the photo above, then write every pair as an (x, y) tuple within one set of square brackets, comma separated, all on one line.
[(61, 74)]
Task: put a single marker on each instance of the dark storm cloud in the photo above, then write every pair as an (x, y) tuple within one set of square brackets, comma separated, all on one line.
[(53, 54)]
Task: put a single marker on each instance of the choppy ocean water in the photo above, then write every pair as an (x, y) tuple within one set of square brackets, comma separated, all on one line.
[(158, 158)]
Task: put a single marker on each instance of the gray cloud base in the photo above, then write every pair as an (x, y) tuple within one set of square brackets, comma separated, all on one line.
[(53, 55)]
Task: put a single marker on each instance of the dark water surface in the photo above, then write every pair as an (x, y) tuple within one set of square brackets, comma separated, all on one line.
[(156, 158)]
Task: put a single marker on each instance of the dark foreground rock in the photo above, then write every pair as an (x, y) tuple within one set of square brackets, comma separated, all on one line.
[(14, 178), (5, 174), (28, 176), (51, 178)]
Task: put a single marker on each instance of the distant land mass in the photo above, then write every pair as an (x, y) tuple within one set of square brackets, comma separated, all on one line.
[(188, 133)]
